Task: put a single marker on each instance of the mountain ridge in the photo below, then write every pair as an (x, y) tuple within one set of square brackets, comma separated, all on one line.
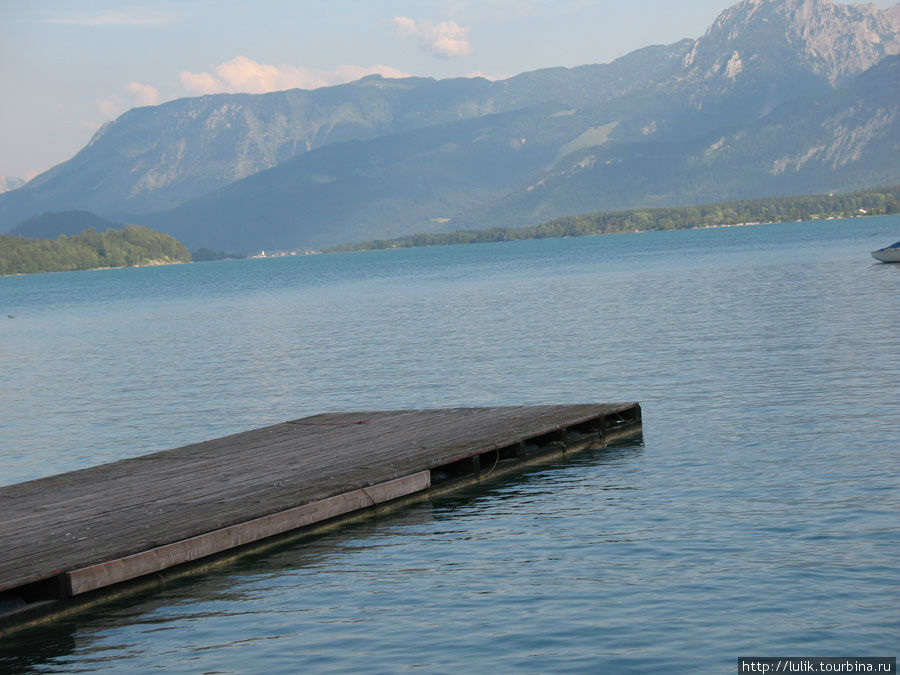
[(852, 146), (161, 162), (777, 155)]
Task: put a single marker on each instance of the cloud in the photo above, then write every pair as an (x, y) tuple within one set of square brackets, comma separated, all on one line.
[(244, 75), (444, 40), (492, 78), (132, 18), (143, 94), (200, 83), (111, 106), (404, 26)]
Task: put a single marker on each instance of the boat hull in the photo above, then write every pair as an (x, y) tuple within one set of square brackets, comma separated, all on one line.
[(887, 255)]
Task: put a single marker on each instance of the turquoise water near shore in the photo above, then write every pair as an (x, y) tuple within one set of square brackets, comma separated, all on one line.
[(756, 515)]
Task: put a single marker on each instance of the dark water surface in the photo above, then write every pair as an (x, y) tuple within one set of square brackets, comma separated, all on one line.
[(756, 516)]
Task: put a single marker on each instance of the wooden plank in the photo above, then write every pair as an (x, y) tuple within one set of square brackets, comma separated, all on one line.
[(248, 486), (190, 479), (89, 517), (187, 550)]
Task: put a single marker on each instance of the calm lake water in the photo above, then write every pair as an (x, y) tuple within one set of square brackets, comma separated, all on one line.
[(756, 516)]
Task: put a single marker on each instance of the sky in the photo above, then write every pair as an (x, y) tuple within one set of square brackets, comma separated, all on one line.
[(68, 66)]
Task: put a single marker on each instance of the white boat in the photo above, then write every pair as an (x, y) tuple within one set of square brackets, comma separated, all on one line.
[(888, 253)]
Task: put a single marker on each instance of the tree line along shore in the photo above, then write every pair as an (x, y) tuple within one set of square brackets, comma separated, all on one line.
[(135, 245), (879, 201)]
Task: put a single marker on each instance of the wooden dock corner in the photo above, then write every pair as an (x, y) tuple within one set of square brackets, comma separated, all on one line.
[(75, 535)]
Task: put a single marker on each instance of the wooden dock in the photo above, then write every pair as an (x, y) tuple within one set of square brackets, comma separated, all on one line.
[(77, 533)]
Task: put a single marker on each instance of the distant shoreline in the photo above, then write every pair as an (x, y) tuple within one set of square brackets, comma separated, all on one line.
[(797, 209), (154, 263), (329, 251), (352, 249), (149, 263)]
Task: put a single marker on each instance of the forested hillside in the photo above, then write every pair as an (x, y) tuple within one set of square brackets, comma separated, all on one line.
[(130, 246)]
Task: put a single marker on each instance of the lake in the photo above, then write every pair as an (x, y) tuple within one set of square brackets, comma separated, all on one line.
[(755, 516)]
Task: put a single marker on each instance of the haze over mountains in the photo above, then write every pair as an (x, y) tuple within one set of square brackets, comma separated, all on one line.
[(778, 97)]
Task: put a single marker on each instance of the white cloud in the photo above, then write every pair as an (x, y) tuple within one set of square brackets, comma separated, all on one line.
[(404, 26), (111, 107), (133, 18), (443, 40), (244, 75), (492, 78), (143, 94), (200, 83)]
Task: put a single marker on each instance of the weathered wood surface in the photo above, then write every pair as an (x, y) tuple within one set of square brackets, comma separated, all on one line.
[(160, 558), (84, 519)]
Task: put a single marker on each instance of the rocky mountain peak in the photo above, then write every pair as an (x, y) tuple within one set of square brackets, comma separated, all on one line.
[(894, 15), (833, 41)]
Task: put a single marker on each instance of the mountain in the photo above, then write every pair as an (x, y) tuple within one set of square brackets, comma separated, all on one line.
[(761, 53), (828, 40), (8, 183), (847, 139), (447, 177), (414, 181), (385, 157), (157, 157)]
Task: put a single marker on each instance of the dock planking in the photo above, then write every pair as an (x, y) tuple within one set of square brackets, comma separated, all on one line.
[(81, 531)]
